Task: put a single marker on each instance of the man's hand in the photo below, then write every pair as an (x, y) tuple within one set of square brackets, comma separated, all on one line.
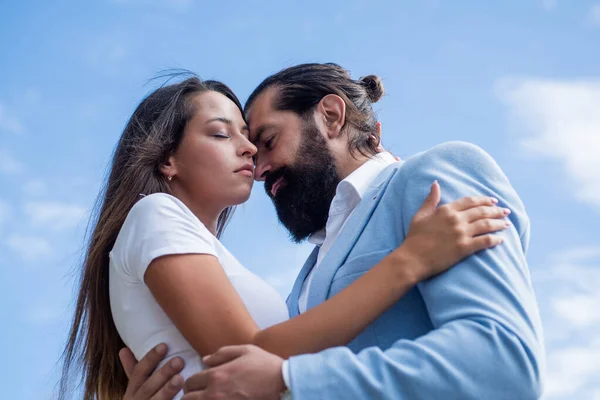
[(147, 385), (237, 373)]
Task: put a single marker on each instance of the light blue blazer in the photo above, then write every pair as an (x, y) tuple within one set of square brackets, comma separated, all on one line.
[(473, 332)]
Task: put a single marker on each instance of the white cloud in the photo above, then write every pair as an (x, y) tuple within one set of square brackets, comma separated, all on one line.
[(560, 120), (549, 5), (594, 14), (42, 314), (8, 164), (569, 370), (9, 123), (106, 53), (4, 212), (57, 216), (35, 187), (567, 289), (579, 310), (173, 5), (29, 248)]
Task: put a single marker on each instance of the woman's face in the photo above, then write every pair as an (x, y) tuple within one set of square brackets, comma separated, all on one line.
[(213, 165)]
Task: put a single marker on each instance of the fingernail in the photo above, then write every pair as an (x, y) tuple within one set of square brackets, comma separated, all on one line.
[(176, 363), (494, 200), (508, 224), (506, 211), (161, 348), (176, 381), (205, 358)]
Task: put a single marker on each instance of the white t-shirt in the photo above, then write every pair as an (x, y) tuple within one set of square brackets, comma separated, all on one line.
[(158, 225)]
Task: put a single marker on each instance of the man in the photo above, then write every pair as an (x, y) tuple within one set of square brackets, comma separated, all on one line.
[(473, 332)]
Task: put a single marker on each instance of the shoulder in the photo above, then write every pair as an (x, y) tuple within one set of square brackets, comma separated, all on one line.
[(159, 208), (451, 155), (155, 202), (160, 214), (450, 160)]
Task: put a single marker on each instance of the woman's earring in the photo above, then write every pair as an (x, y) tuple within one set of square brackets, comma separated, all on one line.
[(169, 178)]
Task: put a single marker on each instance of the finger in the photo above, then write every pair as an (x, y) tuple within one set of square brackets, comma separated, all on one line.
[(198, 381), (170, 390), (476, 213), (224, 355), (482, 226), (485, 242), (432, 200), (146, 365), (472, 202), (378, 128), (128, 361), (165, 382), (194, 396)]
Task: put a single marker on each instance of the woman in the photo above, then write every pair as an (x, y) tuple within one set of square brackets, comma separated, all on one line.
[(156, 272)]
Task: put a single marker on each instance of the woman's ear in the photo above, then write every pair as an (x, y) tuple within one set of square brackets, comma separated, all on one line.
[(168, 168)]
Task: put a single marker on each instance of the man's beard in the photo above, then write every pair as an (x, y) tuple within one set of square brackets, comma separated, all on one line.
[(302, 201)]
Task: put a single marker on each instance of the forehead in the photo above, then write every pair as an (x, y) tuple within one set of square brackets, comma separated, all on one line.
[(212, 104), (262, 113)]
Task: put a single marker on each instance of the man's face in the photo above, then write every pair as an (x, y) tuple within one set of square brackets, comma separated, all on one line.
[(296, 165)]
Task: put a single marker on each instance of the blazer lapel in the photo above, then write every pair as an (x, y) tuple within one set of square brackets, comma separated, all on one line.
[(323, 275), (292, 300)]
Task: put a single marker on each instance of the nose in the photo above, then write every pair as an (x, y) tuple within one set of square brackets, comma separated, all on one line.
[(247, 148), (262, 168)]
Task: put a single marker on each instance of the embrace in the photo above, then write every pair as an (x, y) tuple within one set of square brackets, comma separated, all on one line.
[(417, 287)]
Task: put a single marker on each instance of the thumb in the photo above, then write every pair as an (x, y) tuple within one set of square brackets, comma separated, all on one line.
[(224, 355), (433, 198)]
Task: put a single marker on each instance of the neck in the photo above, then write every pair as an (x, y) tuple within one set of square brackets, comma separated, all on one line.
[(349, 163), (209, 216)]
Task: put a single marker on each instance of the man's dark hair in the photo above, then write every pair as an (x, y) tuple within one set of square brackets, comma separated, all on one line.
[(300, 88)]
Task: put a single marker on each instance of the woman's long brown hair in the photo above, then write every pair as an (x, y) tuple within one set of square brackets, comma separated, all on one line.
[(151, 135)]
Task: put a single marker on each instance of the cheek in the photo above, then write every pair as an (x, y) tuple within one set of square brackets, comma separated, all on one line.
[(205, 164), (213, 156)]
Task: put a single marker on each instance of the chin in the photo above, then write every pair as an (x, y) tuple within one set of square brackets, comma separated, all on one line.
[(240, 196)]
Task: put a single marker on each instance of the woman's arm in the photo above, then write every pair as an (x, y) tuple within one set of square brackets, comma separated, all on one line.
[(197, 295)]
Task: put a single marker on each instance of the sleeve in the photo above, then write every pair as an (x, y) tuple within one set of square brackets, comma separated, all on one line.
[(487, 339), (160, 225)]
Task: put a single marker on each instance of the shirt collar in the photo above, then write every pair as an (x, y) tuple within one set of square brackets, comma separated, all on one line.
[(350, 191)]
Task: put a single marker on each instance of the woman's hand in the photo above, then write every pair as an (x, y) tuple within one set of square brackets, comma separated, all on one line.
[(439, 237)]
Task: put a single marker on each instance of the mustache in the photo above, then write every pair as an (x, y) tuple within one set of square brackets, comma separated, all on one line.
[(273, 177)]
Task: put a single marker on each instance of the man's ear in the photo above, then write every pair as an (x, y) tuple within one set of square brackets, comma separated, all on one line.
[(332, 111), (376, 137), (168, 168)]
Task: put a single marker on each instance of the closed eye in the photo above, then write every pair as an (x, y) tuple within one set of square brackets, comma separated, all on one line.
[(269, 143), (222, 136)]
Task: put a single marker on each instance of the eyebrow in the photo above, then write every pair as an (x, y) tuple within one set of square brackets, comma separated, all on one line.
[(220, 119), (259, 132), (226, 121)]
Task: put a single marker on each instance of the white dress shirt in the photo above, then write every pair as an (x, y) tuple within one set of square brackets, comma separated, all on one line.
[(348, 194)]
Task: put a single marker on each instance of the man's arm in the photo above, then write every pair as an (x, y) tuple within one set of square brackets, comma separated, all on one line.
[(487, 342)]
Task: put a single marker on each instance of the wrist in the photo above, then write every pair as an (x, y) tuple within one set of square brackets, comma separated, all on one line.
[(406, 267)]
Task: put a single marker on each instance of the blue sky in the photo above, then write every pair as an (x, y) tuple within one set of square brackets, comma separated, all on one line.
[(519, 78)]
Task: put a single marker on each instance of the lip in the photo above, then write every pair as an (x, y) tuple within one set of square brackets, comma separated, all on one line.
[(275, 186), (246, 170)]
